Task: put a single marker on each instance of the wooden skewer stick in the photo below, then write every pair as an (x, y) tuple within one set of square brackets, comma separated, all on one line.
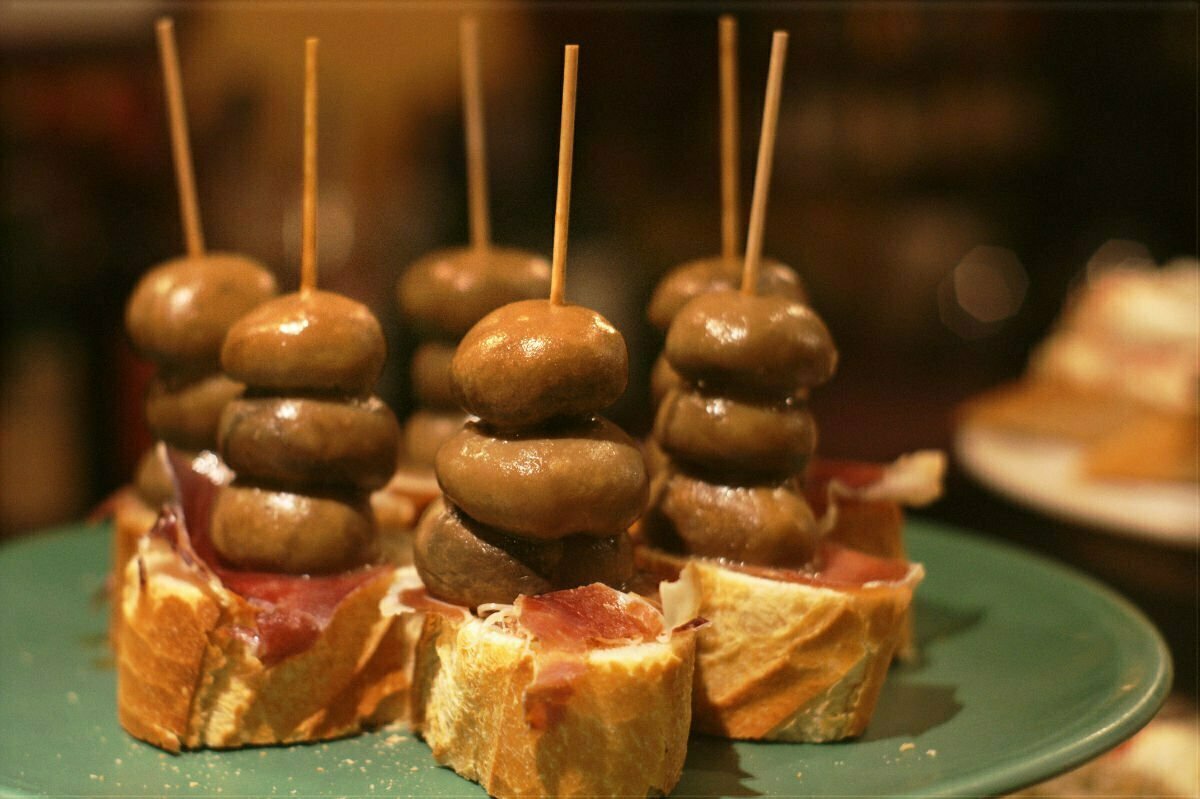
[(181, 149), (762, 174), (562, 205), (727, 35), (477, 192), (308, 219)]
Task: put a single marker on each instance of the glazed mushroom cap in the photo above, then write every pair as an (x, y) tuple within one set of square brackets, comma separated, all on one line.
[(750, 345), (448, 291), (759, 525), (735, 439), (186, 413), (587, 477), (262, 529), (180, 311), (463, 561), (306, 341), (311, 441), (704, 275), (534, 361)]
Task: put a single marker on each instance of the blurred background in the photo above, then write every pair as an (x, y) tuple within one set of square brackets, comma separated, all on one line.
[(944, 175)]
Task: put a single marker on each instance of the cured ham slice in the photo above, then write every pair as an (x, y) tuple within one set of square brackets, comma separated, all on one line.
[(589, 616)]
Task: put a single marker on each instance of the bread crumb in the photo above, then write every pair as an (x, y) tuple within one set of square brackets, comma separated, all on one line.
[(931, 752), (414, 768), (320, 769), (799, 775), (904, 747), (193, 784), (348, 761), (117, 761)]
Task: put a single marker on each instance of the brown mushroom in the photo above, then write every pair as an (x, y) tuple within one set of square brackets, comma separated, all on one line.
[(263, 529), (763, 346), (186, 412), (704, 275), (306, 341), (753, 524), (310, 441), (582, 477), (448, 291), (533, 361), (180, 310), (729, 437)]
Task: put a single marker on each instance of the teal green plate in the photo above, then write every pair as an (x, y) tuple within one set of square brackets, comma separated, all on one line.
[(1027, 669)]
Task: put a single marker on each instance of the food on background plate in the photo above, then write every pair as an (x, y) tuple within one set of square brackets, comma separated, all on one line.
[(801, 628), (177, 317), (535, 674), (443, 294), (1118, 377), (250, 614)]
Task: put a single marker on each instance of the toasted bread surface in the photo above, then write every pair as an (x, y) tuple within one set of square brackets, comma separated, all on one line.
[(616, 726), (787, 660), (188, 675)]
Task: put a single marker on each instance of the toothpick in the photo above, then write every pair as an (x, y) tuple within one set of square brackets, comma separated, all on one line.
[(762, 174), (727, 35), (562, 206), (181, 149), (477, 193), (308, 220)]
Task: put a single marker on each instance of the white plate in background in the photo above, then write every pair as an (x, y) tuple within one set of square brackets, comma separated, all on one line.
[(1045, 474)]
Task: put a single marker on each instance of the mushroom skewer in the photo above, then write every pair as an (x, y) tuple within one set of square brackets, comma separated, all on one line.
[(722, 271), (312, 441)]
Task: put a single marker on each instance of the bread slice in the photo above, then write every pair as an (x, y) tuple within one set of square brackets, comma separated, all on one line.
[(132, 518), (526, 716), (787, 657), (191, 670)]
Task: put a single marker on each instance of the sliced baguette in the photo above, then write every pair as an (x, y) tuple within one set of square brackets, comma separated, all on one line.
[(189, 676), (782, 659), (132, 518), (523, 720)]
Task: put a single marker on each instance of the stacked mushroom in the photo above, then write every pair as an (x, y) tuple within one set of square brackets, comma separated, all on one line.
[(722, 271), (177, 317), (738, 432), (448, 291), (539, 492), (309, 442), (179, 312), (444, 294)]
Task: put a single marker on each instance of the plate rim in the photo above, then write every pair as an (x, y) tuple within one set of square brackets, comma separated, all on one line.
[(1138, 707)]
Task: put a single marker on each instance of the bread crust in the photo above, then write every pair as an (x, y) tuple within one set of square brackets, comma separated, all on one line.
[(132, 519), (188, 675), (622, 730), (782, 660)]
